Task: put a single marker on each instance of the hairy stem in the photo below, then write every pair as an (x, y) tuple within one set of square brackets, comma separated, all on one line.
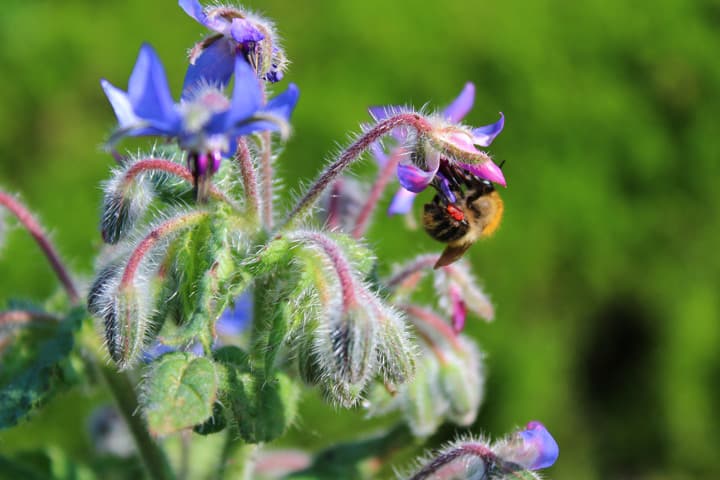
[(267, 180), (378, 188), (34, 228), (152, 238), (349, 156), (121, 388), (338, 261), (249, 178), (446, 458), (417, 265), (427, 320), (23, 317)]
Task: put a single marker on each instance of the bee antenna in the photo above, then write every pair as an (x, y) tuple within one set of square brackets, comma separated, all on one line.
[(501, 164)]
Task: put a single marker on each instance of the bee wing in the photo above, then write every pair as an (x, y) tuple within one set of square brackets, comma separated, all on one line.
[(451, 254)]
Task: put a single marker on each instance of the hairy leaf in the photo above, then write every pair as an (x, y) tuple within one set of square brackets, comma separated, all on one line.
[(35, 366), (179, 392)]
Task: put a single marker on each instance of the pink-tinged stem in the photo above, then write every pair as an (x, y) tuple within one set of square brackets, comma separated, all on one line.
[(351, 154), (249, 178), (470, 449), (22, 317), (267, 179), (32, 226), (426, 319), (158, 164), (386, 174), (420, 263), (152, 238), (333, 218), (340, 264)]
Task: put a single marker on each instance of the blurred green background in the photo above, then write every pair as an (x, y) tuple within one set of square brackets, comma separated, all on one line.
[(605, 272)]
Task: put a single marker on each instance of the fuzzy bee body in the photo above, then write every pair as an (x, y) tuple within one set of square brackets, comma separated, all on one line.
[(475, 213)]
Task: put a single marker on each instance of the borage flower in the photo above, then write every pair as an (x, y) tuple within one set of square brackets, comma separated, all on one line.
[(451, 146), (205, 123), (237, 33)]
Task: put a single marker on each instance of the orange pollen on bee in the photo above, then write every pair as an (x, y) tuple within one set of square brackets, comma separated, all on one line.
[(455, 213)]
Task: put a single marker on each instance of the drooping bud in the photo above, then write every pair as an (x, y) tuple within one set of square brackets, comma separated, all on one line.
[(459, 291), (346, 344), (462, 380), (517, 456), (422, 402), (532, 448), (127, 195)]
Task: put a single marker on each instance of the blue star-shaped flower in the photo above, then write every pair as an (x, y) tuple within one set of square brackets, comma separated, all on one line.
[(205, 123)]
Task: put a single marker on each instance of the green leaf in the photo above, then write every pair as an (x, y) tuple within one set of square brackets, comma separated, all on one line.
[(179, 392), (37, 365), (262, 408)]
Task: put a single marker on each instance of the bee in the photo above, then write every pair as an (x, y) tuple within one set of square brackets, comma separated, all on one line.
[(474, 212)]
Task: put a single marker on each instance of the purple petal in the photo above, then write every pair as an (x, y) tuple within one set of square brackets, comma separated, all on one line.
[(148, 91), (402, 202), (214, 66), (484, 136), (537, 439), (416, 179), (280, 107), (445, 188), (381, 112), (247, 96), (487, 170), (379, 154), (243, 31), (460, 107)]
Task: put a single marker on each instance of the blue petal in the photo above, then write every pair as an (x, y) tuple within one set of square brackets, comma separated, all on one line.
[(214, 66), (194, 9), (484, 136), (120, 104), (247, 96), (538, 439), (235, 319), (284, 104), (416, 179), (280, 106), (149, 93), (243, 31), (460, 107), (402, 202)]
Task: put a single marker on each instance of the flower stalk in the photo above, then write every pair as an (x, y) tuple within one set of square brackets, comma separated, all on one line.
[(37, 232), (352, 153)]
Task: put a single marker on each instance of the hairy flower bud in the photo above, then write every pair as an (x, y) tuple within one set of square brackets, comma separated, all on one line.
[(126, 200), (462, 379), (532, 448)]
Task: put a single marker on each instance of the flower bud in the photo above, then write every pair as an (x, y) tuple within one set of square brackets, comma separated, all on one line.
[(126, 200), (532, 448), (462, 379)]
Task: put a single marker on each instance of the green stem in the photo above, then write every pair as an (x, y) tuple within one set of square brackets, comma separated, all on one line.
[(122, 390), (238, 458)]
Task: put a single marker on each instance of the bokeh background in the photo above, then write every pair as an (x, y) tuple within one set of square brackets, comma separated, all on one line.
[(606, 270)]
